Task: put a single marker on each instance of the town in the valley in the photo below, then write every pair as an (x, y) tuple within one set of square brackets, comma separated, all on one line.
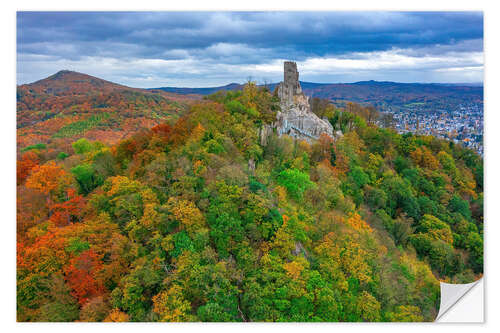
[(463, 125)]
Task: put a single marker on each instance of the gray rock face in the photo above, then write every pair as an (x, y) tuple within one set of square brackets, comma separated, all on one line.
[(296, 118), (264, 134)]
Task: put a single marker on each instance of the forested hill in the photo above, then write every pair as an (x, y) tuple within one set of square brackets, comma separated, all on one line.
[(70, 105), (67, 82), (385, 96), (201, 220)]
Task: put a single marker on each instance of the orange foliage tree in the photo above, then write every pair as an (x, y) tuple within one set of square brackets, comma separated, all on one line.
[(49, 179), (63, 213), (28, 161), (81, 276)]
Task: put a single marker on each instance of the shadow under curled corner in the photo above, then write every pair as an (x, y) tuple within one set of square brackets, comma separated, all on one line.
[(461, 303)]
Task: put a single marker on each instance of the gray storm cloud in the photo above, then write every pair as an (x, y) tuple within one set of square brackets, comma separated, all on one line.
[(212, 48)]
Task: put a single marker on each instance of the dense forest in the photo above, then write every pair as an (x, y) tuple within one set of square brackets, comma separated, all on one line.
[(201, 219)]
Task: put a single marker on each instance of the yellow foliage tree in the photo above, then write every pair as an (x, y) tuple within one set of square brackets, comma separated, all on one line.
[(116, 316), (295, 267), (150, 218), (356, 222), (121, 184), (423, 157), (368, 307), (353, 258), (171, 306), (188, 215), (406, 313)]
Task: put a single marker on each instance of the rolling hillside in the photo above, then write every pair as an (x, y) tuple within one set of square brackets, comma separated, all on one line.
[(201, 220), (70, 105)]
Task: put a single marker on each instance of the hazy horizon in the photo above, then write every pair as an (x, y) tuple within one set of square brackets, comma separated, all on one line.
[(262, 83)]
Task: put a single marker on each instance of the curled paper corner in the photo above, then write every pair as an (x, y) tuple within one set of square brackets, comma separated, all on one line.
[(461, 302)]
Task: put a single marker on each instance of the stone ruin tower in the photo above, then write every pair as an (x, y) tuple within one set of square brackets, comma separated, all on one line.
[(290, 85), (296, 118)]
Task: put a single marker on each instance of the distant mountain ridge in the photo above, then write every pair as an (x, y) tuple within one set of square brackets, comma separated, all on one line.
[(231, 86), (200, 91), (384, 95), (305, 85)]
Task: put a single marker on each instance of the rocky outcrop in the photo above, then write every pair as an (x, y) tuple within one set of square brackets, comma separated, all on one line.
[(264, 134), (296, 118)]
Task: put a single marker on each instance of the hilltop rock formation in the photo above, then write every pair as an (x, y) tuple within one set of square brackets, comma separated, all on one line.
[(296, 118)]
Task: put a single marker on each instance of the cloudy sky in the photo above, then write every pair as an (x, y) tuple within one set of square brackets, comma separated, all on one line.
[(202, 49)]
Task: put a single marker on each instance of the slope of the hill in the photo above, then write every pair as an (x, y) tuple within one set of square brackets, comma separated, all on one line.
[(69, 105), (203, 221)]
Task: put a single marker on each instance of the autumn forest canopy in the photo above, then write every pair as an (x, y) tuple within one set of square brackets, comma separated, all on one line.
[(135, 205)]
